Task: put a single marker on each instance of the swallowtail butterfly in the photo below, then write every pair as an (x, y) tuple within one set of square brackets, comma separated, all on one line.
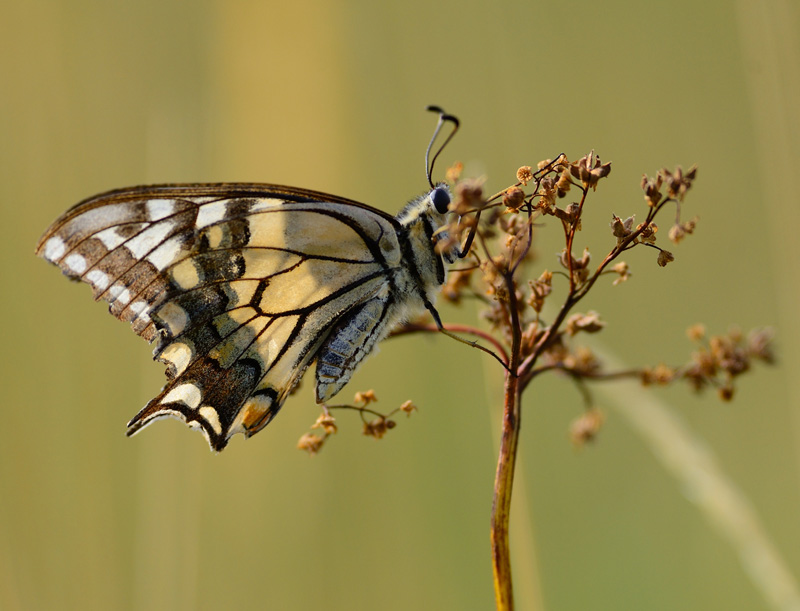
[(242, 286)]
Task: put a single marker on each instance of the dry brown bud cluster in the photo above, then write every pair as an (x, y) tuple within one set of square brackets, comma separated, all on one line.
[(530, 314), (717, 361), (376, 426)]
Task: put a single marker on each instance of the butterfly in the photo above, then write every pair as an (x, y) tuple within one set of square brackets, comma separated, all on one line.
[(242, 286)]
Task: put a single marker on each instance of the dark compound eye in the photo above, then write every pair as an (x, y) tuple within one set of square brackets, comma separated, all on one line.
[(441, 199)]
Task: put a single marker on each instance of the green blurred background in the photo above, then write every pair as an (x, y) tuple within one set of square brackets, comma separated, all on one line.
[(329, 95)]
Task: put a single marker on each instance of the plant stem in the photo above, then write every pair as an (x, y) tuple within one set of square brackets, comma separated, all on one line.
[(504, 478), (501, 505)]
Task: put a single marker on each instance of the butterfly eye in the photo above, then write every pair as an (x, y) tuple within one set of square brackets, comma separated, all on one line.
[(441, 199)]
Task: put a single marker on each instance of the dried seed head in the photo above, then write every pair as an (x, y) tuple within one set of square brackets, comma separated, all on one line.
[(759, 345), (678, 182), (377, 428), (540, 289), (589, 170), (588, 323), (469, 196), (665, 257), (660, 374), (582, 361), (325, 422), (525, 174), (513, 198), (648, 232), (696, 332), (623, 270), (310, 443), (366, 397), (586, 427), (652, 189), (408, 407), (725, 392)]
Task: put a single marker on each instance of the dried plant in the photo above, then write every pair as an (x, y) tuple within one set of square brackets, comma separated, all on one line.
[(500, 273)]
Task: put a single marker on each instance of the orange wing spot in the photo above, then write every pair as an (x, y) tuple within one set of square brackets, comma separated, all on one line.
[(256, 414)]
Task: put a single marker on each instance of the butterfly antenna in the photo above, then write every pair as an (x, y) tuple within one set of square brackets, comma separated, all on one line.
[(443, 118)]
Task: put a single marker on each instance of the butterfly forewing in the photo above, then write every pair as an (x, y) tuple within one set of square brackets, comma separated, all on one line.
[(240, 286)]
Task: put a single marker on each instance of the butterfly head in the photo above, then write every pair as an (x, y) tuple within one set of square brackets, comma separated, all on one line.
[(428, 215)]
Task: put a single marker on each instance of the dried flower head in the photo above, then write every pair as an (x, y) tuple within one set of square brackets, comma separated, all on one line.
[(540, 289), (665, 257), (588, 323), (408, 407), (647, 233), (589, 170), (696, 332), (660, 375), (623, 270), (622, 229), (525, 174), (759, 345), (378, 427), (325, 422), (652, 189), (310, 443), (513, 198), (365, 397), (678, 182), (582, 361), (586, 427)]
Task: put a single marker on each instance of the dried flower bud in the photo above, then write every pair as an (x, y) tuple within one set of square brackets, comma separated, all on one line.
[(696, 332), (648, 232), (586, 427), (660, 374), (588, 323), (582, 361), (678, 182), (366, 397), (468, 197), (622, 269), (513, 198), (540, 289), (325, 422), (652, 189), (665, 257), (589, 170), (529, 337), (759, 345), (408, 407), (377, 428), (725, 392), (676, 233), (310, 443), (454, 172), (564, 182)]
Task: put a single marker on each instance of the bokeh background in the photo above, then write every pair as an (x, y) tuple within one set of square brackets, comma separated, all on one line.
[(329, 95)]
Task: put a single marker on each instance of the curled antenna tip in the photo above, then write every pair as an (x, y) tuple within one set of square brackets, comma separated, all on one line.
[(443, 118)]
